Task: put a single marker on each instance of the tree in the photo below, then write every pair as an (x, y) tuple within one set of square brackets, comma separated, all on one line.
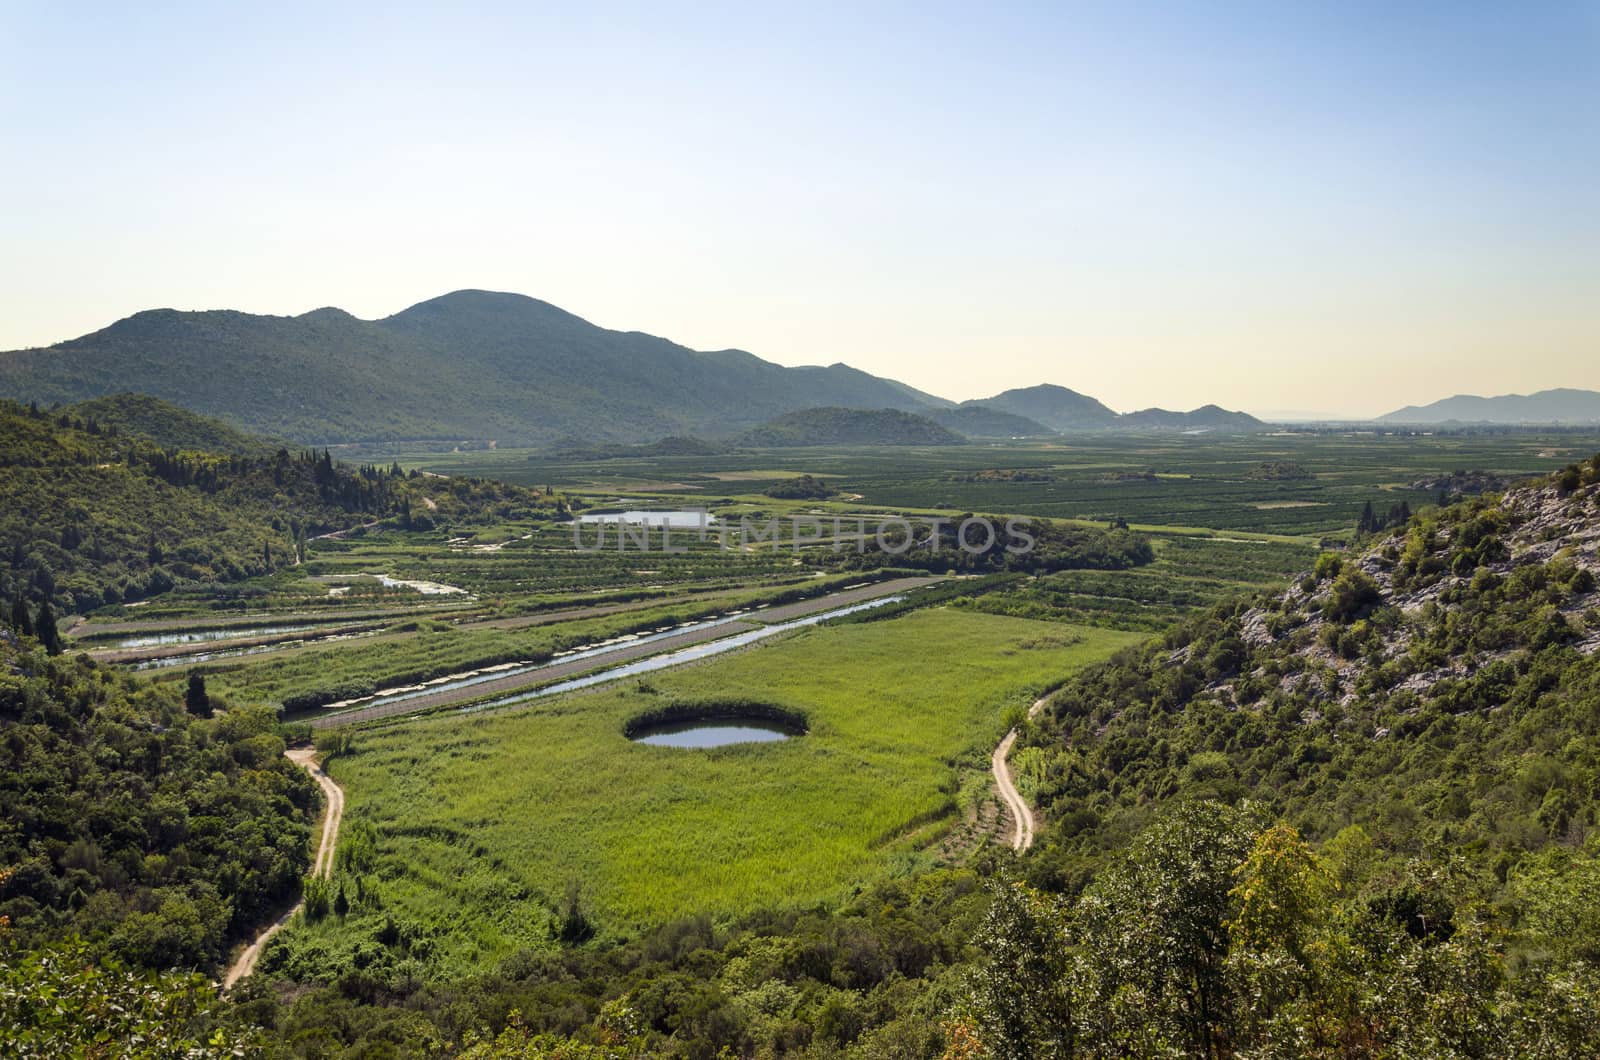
[(195, 698), (62, 1002), (45, 629), (341, 904), (1368, 521), (20, 618), (574, 925), (1154, 932), (314, 889), (1022, 994), (1352, 591), (1281, 887)]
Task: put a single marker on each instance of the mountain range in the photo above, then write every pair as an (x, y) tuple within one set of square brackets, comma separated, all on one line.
[(1563, 405), (482, 365)]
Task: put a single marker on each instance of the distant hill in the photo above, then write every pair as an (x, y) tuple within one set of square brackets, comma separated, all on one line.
[(1053, 406), (1061, 409), (166, 425), (977, 420), (841, 426), (1206, 417), (468, 365), (1564, 405)]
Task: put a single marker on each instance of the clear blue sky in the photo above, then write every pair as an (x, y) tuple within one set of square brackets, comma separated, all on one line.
[(1337, 207)]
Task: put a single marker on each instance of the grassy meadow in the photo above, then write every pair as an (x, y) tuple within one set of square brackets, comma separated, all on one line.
[(483, 821)]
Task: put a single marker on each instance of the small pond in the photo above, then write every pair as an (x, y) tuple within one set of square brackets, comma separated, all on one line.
[(711, 732)]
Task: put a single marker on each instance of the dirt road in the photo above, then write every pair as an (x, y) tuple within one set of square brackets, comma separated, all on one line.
[(333, 814), (1022, 831)]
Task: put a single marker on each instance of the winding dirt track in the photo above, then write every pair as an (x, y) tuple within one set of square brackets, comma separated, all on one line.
[(305, 757), (1022, 832)]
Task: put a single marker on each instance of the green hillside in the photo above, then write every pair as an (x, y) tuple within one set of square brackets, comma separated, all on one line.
[(89, 516), (1429, 671), (1421, 717), (166, 425)]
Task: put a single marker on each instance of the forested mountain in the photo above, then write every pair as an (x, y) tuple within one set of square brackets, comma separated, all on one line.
[(977, 420), (472, 364), (1054, 406), (1421, 717), (89, 516), (1563, 405), (843, 426)]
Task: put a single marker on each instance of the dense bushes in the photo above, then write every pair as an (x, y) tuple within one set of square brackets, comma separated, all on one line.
[(800, 488), (156, 836), (873, 976), (1213, 935), (62, 1001)]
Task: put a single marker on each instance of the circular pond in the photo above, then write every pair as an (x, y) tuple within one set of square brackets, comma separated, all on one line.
[(710, 733), (714, 725)]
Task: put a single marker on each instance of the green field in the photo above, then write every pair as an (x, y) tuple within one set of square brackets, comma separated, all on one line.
[(482, 821), (1163, 479)]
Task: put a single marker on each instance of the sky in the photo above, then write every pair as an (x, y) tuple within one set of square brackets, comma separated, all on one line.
[(1331, 208)]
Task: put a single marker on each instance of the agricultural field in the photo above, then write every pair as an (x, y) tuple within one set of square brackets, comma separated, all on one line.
[(1294, 483), (483, 822)]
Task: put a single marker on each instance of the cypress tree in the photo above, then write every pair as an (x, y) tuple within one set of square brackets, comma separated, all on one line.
[(20, 618), (195, 698), (45, 625)]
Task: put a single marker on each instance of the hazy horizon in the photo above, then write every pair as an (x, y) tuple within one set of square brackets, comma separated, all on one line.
[(1264, 208)]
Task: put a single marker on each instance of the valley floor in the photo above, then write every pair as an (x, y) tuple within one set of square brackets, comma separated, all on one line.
[(485, 820)]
